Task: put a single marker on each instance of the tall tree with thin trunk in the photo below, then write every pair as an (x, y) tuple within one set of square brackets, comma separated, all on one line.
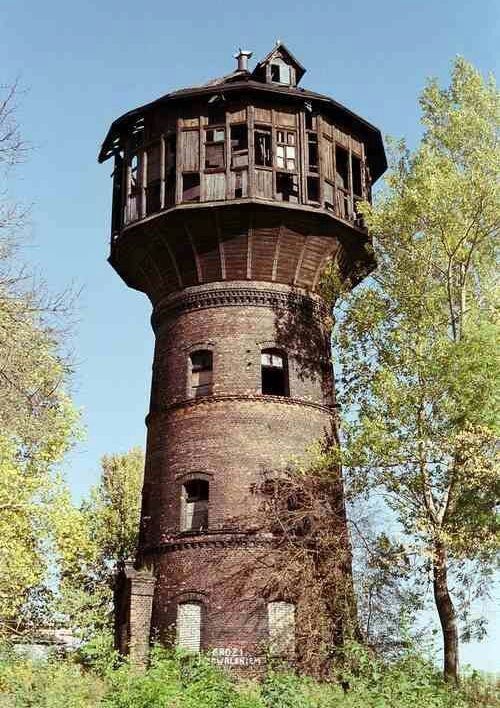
[(418, 346)]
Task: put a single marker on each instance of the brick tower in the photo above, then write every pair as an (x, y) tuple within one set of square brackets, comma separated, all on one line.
[(228, 201)]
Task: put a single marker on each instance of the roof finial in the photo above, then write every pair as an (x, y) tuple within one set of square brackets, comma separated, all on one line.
[(243, 56)]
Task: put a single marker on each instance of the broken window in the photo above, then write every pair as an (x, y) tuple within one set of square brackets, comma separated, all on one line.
[(341, 167), (153, 179), (312, 152), (116, 214), (281, 73), (285, 150), (194, 505), (191, 187), (342, 181), (216, 114), (239, 145), (215, 147), (201, 373), (310, 119), (170, 168), (263, 147), (287, 187), (189, 626), (313, 189), (274, 372), (281, 623), (134, 191), (357, 186)]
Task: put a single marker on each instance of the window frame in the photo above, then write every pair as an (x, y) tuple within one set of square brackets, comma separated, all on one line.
[(278, 353)]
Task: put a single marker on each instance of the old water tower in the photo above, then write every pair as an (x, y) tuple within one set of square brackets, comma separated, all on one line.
[(228, 201)]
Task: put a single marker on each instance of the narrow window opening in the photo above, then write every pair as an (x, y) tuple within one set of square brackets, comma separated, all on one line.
[(238, 186), (116, 215), (263, 147), (287, 187), (170, 167), (189, 626), (214, 148), (342, 181), (239, 145), (153, 179), (310, 120), (281, 622), (201, 373), (313, 189), (357, 187), (191, 187), (312, 153), (274, 371), (134, 193), (341, 168), (194, 511)]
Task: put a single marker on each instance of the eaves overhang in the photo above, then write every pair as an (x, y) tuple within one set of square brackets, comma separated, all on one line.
[(367, 131)]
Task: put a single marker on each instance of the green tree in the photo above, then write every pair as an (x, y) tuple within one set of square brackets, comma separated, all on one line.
[(93, 538), (38, 422), (419, 359)]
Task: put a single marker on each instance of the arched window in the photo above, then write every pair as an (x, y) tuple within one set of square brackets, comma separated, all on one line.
[(189, 626), (194, 505), (274, 369), (281, 623), (201, 373)]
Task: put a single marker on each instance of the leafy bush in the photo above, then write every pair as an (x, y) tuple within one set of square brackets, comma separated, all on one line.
[(93, 678)]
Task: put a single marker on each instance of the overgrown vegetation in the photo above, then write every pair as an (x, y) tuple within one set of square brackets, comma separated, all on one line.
[(179, 681)]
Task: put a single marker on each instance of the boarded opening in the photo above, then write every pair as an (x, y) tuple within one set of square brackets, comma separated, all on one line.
[(281, 622), (189, 626)]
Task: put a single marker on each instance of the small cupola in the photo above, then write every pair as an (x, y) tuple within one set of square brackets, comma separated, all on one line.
[(279, 67)]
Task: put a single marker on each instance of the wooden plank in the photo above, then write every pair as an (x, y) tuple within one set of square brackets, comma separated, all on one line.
[(237, 116), (262, 115), (214, 186), (286, 118), (264, 183), (190, 150)]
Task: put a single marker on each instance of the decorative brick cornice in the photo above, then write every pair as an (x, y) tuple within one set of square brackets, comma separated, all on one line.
[(240, 397), (237, 297), (210, 539)]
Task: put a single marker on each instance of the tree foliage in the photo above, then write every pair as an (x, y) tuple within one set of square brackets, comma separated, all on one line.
[(417, 343), (93, 538), (38, 421)]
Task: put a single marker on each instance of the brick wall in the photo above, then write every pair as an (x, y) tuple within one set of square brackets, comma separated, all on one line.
[(229, 439)]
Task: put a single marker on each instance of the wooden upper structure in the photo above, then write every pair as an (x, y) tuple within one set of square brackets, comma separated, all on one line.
[(248, 138)]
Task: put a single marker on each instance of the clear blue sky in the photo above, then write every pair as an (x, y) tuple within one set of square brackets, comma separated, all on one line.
[(85, 63)]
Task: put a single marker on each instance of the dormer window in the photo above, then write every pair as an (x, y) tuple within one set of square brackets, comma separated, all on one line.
[(281, 73)]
